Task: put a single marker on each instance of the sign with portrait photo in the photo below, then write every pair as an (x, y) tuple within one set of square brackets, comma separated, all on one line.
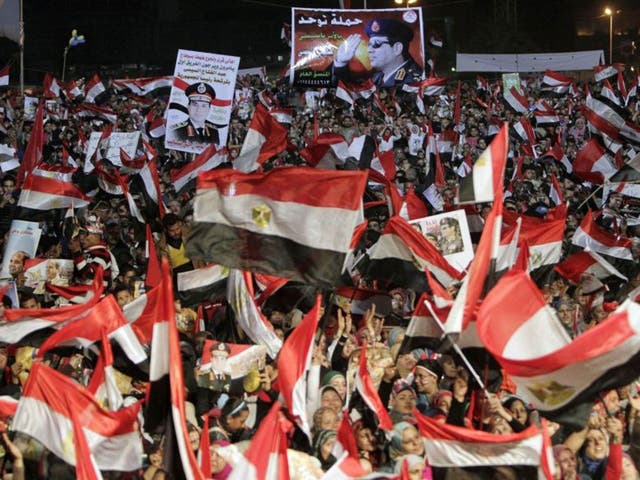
[(449, 232), (23, 242), (355, 46), (55, 271), (200, 101)]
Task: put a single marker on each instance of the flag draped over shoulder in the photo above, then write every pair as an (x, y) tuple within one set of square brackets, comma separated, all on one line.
[(46, 415), (557, 376), (295, 223)]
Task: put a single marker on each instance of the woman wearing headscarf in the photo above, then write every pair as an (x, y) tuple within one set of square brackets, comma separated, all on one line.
[(322, 447), (220, 469)]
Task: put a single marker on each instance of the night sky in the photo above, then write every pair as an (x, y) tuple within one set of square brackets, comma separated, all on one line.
[(144, 35)]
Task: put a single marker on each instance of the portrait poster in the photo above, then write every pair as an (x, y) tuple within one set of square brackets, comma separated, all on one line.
[(200, 102), (55, 271), (10, 289), (23, 241), (30, 107), (366, 41), (449, 232), (110, 147)]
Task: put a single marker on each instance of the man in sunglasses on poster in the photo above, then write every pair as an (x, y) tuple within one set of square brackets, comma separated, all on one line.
[(388, 50)]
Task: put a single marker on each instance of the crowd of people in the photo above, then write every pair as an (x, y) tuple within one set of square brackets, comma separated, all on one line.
[(438, 384)]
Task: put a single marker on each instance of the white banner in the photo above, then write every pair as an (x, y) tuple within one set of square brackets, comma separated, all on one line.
[(200, 101)]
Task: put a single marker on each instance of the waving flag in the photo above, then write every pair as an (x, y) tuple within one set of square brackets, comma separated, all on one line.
[(33, 152), (516, 100), (592, 236), (294, 361), (556, 376), (275, 223), (586, 263), (43, 413), (207, 160), (556, 82), (265, 139), (93, 89), (367, 391), (451, 449), (4, 76)]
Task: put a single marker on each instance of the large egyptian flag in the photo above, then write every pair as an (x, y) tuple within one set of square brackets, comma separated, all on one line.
[(461, 452), (165, 402), (278, 223), (266, 458), (401, 255), (294, 361), (592, 236), (47, 415), (488, 170), (559, 378)]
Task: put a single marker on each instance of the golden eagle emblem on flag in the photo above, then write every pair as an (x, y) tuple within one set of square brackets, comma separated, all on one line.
[(551, 392), (261, 216)]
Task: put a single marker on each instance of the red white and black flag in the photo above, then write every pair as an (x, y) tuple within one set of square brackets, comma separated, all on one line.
[(592, 236), (275, 223), (557, 377), (113, 438), (486, 177), (461, 452)]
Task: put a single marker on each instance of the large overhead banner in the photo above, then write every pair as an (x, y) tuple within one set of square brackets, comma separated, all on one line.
[(385, 46), (200, 101)]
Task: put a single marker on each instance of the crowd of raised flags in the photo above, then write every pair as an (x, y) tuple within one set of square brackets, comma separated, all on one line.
[(298, 238)]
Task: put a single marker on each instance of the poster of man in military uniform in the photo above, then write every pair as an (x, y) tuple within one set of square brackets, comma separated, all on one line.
[(200, 102), (355, 46), (216, 376)]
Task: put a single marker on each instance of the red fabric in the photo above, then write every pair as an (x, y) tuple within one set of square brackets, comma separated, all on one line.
[(614, 462)]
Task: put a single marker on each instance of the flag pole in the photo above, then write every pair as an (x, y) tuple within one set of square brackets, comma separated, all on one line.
[(21, 39), (589, 197), (64, 61), (457, 348)]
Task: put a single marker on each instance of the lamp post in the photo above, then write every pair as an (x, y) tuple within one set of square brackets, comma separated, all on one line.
[(406, 2), (609, 13)]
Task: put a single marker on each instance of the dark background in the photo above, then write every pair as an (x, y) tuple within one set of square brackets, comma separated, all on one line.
[(141, 37)]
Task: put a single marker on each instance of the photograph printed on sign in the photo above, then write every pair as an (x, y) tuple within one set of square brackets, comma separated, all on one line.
[(449, 233), (200, 101)]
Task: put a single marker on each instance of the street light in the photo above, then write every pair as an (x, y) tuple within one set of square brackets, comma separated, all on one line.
[(406, 2), (609, 13)]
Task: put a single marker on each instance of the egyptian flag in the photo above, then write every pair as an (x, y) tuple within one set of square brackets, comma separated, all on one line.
[(367, 391), (202, 284), (543, 236), (50, 86), (516, 100), (429, 87), (104, 317), (90, 110), (148, 85), (8, 407), (326, 151), (265, 139), (47, 415), (347, 467), (611, 119), (560, 380), (266, 457), (103, 381), (142, 312), (586, 263), (525, 130), (282, 115), (20, 322), (4, 76), (153, 276), (71, 293), (461, 452), (294, 361), (630, 172), (33, 152), (412, 206), (40, 195), (209, 159), (147, 184), (363, 149), (423, 330), (351, 92), (593, 164), (556, 82), (486, 177), (275, 223), (93, 89), (555, 192), (165, 402), (240, 296), (402, 253), (384, 162), (592, 236), (359, 300)]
